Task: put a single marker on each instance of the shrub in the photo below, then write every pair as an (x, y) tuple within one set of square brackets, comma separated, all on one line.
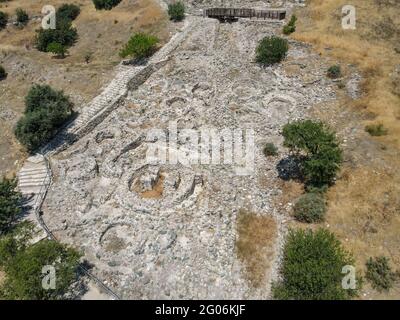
[(58, 49), (46, 110), (176, 11), (3, 20), (68, 12), (312, 267), (3, 73), (16, 239), (310, 207), (88, 57), (139, 46), (24, 270), (105, 4), (22, 16), (376, 130), (291, 26), (319, 143), (270, 150), (64, 34), (380, 274), (271, 50), (334, 72), (10, 206)]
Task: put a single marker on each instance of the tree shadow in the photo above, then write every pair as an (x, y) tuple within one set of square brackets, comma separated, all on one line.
[(290, 168), (135, 62)]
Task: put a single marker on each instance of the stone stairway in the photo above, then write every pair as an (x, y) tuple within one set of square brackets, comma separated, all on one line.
[(33, 180), (116, 88)]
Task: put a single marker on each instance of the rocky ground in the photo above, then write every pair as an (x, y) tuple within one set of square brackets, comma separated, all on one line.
[(169, 231)]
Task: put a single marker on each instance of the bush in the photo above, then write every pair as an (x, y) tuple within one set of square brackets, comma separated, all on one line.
[(24, 269), (319, 143), (270, 150), (64, 34), (16, 239), (10, 206), (3, 73), (291, 26), (3, 20), (310, 208), (312, 267), (46, 110), (58, 49), (376, 130), (67, 12), (380, 274), (334, 72), (22, 16), (105, 4), (271, 50), (176, 11), (139, 46)]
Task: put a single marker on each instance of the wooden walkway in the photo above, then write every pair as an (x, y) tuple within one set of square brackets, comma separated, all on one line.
[(231, 14)]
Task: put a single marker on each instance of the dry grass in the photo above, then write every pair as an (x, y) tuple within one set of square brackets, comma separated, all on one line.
[(364, 205), (255, 241), (371, 47)]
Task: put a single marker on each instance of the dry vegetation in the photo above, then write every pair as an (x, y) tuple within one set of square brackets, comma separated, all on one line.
[(364, 205), (255, 245), (101, 35)]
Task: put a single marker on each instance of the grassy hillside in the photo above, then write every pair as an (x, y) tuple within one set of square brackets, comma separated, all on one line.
[(364, 206)]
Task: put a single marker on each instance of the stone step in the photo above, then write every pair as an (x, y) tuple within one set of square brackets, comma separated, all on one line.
[(23, 180), (33, 171), (31, 190), (33, 183)]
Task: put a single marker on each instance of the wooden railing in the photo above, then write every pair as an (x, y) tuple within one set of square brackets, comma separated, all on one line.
[(234, 13)]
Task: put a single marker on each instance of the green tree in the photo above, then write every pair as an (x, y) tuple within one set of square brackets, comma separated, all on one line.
[(176, 11), (64, 34), (46, 110), (24, 271), (22, 16), (10, 204), (105, 4), (319, 143), (68, 12), (140, 46), (15, 240), (58, 49), (43, 96), (271, 50), (312, 267)]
